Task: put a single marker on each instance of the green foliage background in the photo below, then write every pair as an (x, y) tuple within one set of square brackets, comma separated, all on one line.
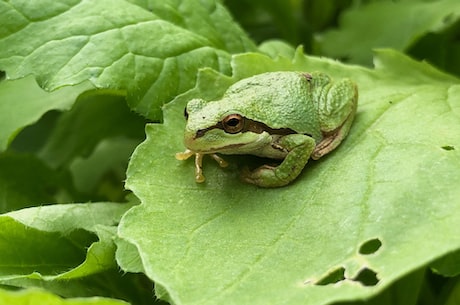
[(96, 210)]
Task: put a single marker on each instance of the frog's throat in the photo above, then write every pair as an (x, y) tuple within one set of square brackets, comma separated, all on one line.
[(249, 125)]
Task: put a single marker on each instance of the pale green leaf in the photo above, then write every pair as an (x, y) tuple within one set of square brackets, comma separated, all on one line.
[(381, 206), (128, 257), (207, 18)]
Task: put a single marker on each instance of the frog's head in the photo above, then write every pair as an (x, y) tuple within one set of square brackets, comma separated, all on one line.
[(218, 126)]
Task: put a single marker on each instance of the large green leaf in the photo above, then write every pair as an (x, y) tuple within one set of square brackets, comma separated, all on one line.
[(392, 24), (68, 250), (118, 45), (54, 240), (383, 205)]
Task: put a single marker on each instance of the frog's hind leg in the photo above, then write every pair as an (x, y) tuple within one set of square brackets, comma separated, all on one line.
[(333, 138), (337, 108), (299, 149)]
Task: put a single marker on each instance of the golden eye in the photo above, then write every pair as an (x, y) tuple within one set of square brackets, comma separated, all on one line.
[(233, 123)]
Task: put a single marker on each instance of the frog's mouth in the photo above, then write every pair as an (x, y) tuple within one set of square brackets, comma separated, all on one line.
[(221, 149), (244, 143)]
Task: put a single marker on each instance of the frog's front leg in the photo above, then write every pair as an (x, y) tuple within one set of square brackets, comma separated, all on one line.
[(299, 149)]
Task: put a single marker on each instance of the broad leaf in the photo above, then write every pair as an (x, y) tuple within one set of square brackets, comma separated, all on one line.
[(381, 206), (118, 45), (54, 240)]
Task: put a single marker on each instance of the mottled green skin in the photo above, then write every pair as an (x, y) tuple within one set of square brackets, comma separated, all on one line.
[(319, 111)]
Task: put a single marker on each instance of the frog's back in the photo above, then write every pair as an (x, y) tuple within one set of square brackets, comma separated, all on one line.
[(278, 99)]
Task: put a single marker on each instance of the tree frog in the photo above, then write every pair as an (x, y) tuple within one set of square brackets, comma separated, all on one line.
[(290, 116)]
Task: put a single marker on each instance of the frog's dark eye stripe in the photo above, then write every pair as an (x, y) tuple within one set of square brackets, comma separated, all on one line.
[(235, 123), (258, 127)]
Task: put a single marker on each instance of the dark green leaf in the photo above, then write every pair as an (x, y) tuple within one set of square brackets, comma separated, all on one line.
[(392, 24), (448, 265), (26, 181), (92, 119)]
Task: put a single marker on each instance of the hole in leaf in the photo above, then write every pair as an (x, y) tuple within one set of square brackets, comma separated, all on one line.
[(448, 147), (334, 277), (370, 247), (367, 277)]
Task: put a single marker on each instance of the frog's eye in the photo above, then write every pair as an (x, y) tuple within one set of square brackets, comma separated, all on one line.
[(233, 123), (185, 113)]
